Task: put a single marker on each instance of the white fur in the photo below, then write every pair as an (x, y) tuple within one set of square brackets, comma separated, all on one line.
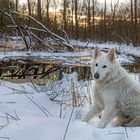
[(115, 93)]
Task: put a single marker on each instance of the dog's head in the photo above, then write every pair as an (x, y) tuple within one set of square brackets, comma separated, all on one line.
[(103, 64)]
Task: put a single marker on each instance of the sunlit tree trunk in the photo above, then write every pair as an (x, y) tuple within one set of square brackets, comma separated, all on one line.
[(47, 13), (65, 15), (93, 15), (89, 17), (76, 20), (29, 7), (72, 6)]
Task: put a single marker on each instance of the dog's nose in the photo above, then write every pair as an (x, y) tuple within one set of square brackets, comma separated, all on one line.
[(96, 75)]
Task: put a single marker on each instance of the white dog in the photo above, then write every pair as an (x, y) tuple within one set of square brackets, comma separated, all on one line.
[(115, 93)]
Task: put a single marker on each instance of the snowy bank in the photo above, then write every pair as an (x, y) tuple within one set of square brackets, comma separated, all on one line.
[(26, 113)]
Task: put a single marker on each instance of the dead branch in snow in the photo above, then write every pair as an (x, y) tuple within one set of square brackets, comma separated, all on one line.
[(9, 20)]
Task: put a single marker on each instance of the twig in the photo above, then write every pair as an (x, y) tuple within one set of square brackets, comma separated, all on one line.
[(115, 133), (47, 111), (66, 35), (35, 36), (61, 105), (5, 138), (7, 118), (126, 132), (68, 124), (77, 115), (17, 116), (34, 86), (36, 105), (1, 127), (14, 118), (87, 44)]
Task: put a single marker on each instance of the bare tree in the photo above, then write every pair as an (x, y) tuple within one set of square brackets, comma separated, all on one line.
[(47, 12), (76, 20), (65, 14), (136, 23), (104, 30), (114, 7), (16, 5), (72, 12), (89, 16), (93, 14), (5, 4), (29, 7), (39, 16), (132, 12)]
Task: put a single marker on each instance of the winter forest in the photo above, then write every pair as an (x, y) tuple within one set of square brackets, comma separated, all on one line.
[(100, 20), (47, 48)]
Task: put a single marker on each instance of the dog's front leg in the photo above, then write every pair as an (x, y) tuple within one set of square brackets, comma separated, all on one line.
[(95, 109), (107, 116)]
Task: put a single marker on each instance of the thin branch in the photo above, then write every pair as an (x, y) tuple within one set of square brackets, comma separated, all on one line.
[(68, 124), (36, 105), (126, 132), (7, 138)]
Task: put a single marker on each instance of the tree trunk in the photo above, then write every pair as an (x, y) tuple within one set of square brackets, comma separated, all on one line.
[(104, 30), (135, 24), (29, 7), (76, 20), (72, 7), (16, 5), (47, 13), (93, 15), (132, 12), (39, 16), (89, 17), (65, 15)]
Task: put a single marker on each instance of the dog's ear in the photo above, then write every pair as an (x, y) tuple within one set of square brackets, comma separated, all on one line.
[(111, 54), (97, 52)]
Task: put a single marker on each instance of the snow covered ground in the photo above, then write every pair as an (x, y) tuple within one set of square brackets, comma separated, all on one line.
[(32, 112), (27, 112), (120, 47), (123, 48)]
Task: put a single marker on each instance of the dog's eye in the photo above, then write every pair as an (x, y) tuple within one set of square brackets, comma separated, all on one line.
[(96, 64), (104, 66)]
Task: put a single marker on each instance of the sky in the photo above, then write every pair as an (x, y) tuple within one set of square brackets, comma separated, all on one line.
[(22, 1)]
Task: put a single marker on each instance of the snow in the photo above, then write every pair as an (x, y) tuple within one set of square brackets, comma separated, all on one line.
[(33, 112), (41, 54), (70, 58), (26, 112), (123, 48), (119, 47)]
